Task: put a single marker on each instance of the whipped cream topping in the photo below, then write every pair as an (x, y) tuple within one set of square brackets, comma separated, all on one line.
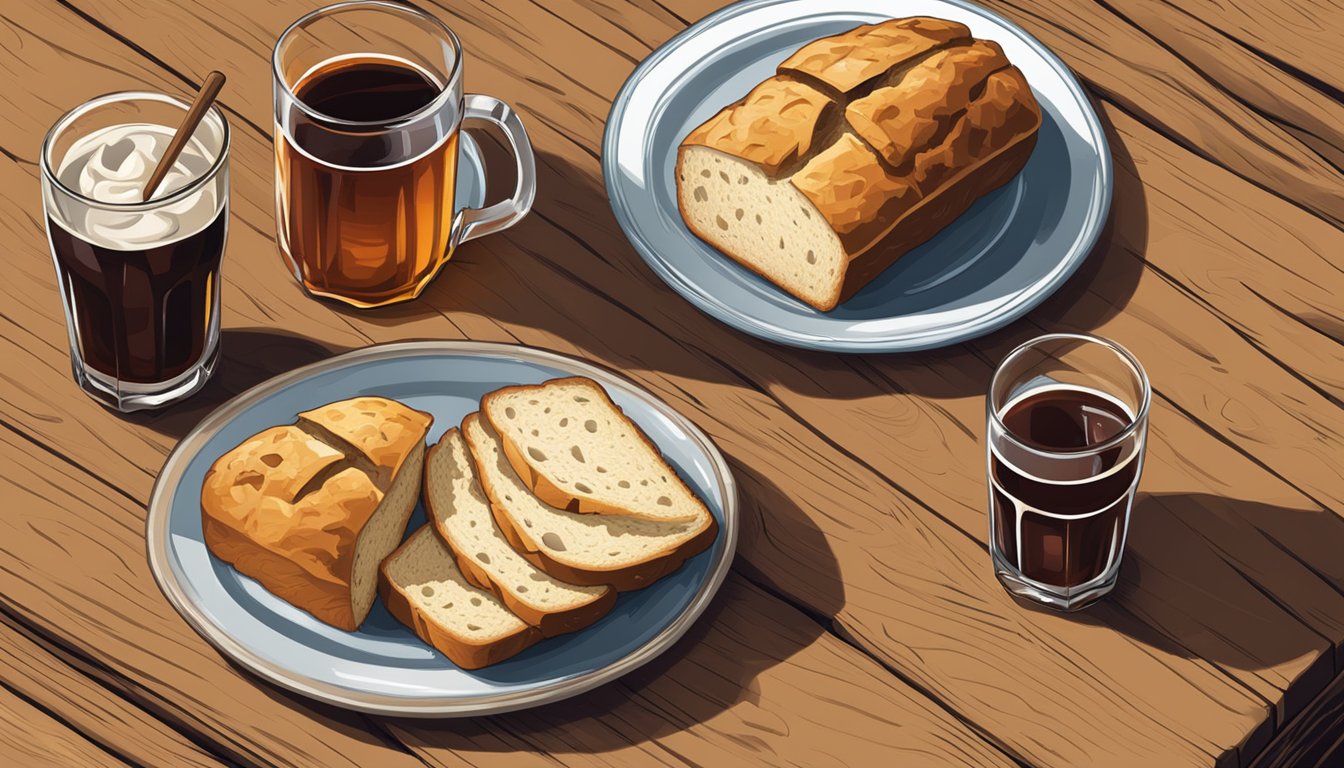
[(113, 164)]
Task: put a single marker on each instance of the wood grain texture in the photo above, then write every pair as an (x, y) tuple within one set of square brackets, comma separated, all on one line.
[(62, 686), (32, 738), (1315, 739), (1228, 619)]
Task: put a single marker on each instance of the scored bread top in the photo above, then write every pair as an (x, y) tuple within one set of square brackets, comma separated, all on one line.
[(856, 58), (288, 492), (576, 450), (903, 118), (383, 431), (774, 126), (905, 106)]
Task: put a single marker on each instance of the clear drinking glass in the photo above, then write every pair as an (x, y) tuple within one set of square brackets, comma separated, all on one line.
[(1068, 417), (140, 281), (368, 105)]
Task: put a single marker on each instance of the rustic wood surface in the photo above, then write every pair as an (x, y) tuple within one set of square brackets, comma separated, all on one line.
[(862, 624)]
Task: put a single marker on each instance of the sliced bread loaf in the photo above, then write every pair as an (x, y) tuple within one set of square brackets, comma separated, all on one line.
[(625, 552), (460, 513), (861, 147), (424, 589), (576, 450)]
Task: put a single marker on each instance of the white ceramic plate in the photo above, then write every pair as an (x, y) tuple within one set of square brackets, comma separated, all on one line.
[(383, 667), (1001, 258)]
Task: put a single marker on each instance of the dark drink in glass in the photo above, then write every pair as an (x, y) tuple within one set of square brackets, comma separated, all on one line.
[(1067, 423), (139, 279)]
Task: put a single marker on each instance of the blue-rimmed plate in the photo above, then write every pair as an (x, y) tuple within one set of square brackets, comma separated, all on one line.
[(383, 667), (1001, 258)]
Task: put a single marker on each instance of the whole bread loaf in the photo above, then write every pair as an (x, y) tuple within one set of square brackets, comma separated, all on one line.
[(861, 147), (310, 510)]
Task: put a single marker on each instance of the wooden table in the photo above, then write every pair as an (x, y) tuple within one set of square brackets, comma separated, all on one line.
[(862, 623)]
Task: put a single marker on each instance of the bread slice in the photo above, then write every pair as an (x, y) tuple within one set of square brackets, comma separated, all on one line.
[(309, 513), (862, 146), (624, 552), (460, 513), (576, 450), (423, 588)]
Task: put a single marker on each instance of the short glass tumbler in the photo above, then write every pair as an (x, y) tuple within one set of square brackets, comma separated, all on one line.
[(1068, 418), (139, 280)]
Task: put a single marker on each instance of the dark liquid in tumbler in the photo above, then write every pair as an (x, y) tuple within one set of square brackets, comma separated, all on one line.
[(366, 212), (1064, 552), (141, 316)]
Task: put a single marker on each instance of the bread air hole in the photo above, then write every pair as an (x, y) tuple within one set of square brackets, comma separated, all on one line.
[(664, 501), (740, 213), (527, 522), (427, 591), (706, 173), (582, 488), (590, 425), (533, 402), (700, 194), (577, 453), (564, 422), (536, 454), (472, 523), (723, 223), (473, 627), (614, 554), (724, 175), (580, 399), (601, 470), (521, 589), (476, 601), (624, 483), (811, 257), (536, 576), (271, 460), (510, 413), (552, 540), (536, 433), (484, 558), (758, 218), (447, 606)]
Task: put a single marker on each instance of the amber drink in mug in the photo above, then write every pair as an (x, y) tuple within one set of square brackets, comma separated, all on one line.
[(368, 109)]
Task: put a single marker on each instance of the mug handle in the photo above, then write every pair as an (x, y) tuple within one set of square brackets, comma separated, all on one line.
[(478, 222)]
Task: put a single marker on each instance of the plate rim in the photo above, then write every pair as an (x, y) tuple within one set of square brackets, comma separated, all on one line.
[(1082, 246), (159, 511)]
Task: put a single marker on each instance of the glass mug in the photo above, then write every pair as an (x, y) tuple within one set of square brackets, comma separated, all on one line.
[(1068, 420), (139, 280), (368, 106)]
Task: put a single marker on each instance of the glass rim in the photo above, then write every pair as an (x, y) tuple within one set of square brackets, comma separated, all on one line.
[(49, 173), (454, 73), (1140, 417)]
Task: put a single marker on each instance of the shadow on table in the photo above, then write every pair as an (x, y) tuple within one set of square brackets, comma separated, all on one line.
[(248, 356), (744, 632), (1234, 603)]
